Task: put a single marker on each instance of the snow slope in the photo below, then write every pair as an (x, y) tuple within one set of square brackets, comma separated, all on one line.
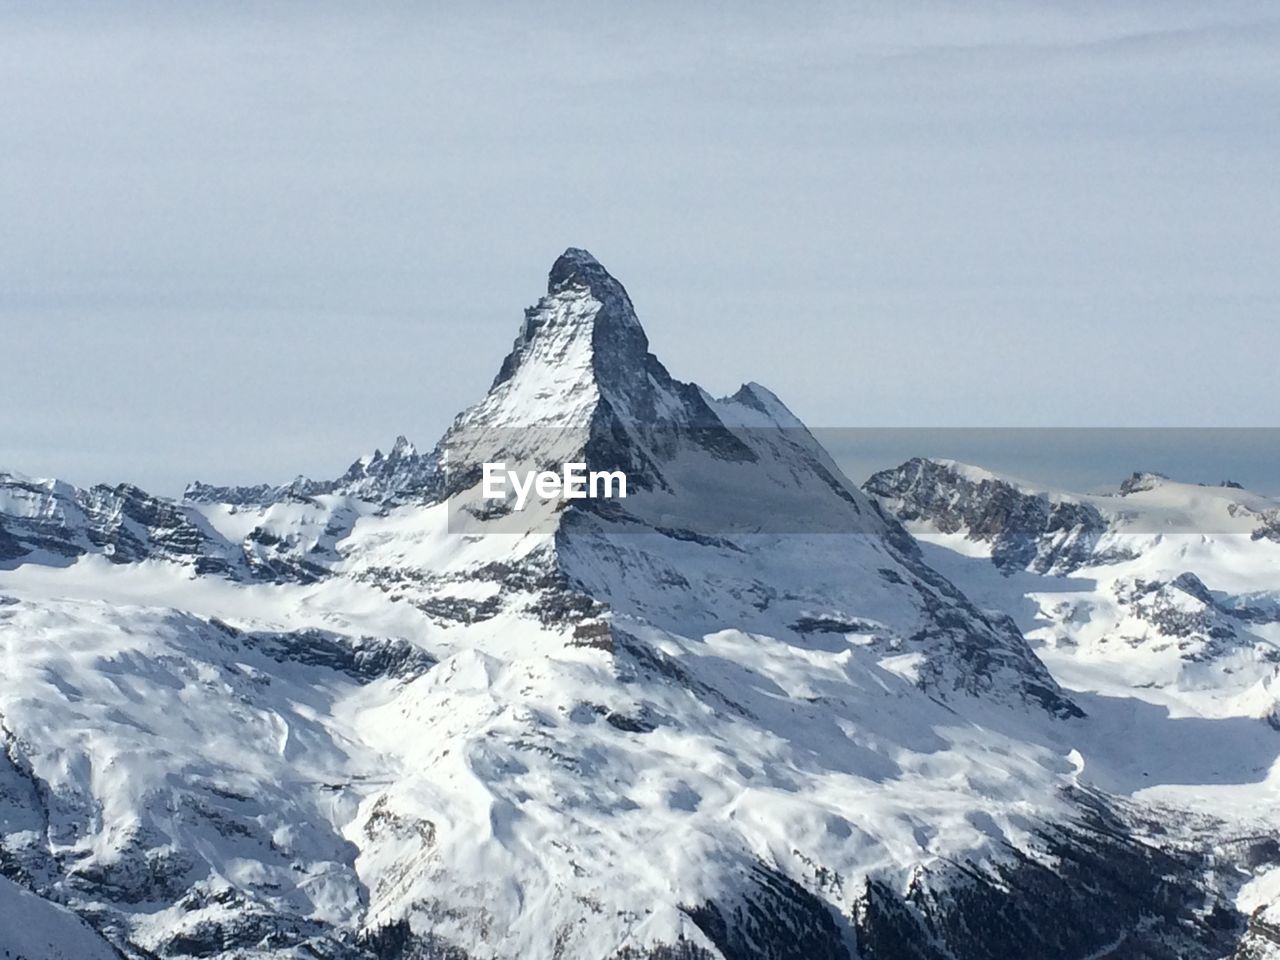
[(34, 929)]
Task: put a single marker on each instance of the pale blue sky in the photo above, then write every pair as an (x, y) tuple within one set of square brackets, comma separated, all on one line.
[(240, 242)]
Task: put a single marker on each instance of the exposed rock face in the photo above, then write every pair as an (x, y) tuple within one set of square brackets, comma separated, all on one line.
[(1025, 530), (404, 473), (47, 521), (1141, 482), (1182, 612), (364, 659), (979, 911), (1262, 939), (1269, 528), (125, 524)]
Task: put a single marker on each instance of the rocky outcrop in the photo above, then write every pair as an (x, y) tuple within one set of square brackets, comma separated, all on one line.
[(1024, 530), (56, 522), (1087, 891), (399, 475)]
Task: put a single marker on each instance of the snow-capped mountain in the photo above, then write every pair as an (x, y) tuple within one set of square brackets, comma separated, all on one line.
[(1158, 604), (738, 714), (1178, 581)]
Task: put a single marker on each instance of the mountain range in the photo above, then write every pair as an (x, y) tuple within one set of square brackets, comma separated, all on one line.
[(753, 710)]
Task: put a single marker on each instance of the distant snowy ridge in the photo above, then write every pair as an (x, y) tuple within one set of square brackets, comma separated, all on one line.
[(1028, 526), (1164, 600), (402, 472), (1178, 568)]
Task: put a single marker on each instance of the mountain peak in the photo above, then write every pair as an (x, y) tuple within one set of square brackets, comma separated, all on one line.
[(584, 325), (1141, 481), (577, 267)]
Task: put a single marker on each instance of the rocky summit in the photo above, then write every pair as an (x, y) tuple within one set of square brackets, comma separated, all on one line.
[(750, 711)]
